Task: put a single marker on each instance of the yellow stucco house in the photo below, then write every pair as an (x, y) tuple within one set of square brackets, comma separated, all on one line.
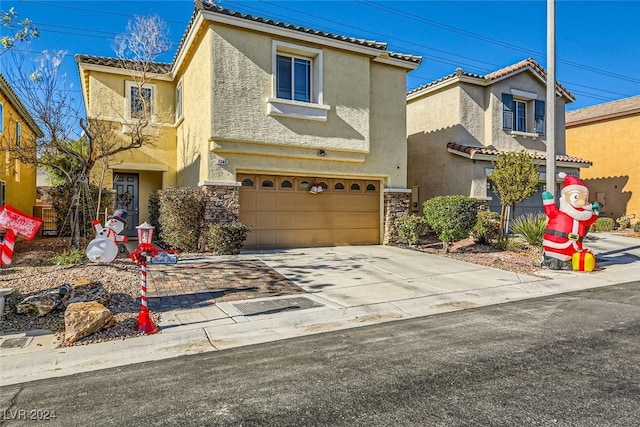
[(17, 180), (610, 135), (457, 125), (301, 134)]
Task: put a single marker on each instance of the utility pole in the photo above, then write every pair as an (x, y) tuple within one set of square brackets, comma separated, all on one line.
[(551, 97)]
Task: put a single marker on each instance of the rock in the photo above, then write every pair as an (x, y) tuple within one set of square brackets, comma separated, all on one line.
[(42, 303), (85, 291), (82, 319)]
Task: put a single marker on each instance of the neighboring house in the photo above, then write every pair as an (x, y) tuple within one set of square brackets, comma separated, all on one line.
[(17, 180), (610, 135), (265, 113), (457, 125)]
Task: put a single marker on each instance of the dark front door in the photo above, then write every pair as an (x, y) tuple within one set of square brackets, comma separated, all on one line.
[(126, 186)]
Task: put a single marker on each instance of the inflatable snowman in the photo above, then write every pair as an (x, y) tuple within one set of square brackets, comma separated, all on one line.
[(104, 248)]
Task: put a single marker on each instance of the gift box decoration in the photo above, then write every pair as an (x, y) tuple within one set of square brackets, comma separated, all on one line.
[(583, 261)]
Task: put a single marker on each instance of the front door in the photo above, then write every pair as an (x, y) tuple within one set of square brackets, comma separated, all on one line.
[(126, 186)]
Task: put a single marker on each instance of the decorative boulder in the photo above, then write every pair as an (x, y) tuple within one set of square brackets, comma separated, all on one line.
[(82, 319), (85, 290), (43, 303)]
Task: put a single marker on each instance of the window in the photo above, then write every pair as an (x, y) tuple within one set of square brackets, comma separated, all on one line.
[(247, 182), (3, 195), (140, 101), (1, 117), (18, 134), (297, 82), (267, 183), (517, 109), (338, 186), (371, 187), (286, 184), (179, 100)]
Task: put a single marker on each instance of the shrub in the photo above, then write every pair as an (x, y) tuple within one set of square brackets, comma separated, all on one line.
[(603, 224), (487, 228), (227, 238), (154, 215), (181, 217), (60, 198), (636, 227), (623, 222), (451, 217), (69, 257), (530, 227), (411, 227), (506, 243)]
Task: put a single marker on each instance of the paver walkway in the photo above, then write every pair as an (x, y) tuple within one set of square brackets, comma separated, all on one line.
[(188, 285)]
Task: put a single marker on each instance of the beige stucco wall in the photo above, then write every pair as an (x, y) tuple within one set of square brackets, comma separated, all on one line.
[(19, 178), (357, 90), (612, 146)]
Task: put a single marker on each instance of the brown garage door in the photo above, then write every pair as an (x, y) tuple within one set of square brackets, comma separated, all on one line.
[(283, 213)]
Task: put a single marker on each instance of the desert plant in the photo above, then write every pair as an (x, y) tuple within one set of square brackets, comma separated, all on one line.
[(181, 217), (623, 222), (487, 228), (411, 227), (69, 257), (603, 224), (451, 217), (227, 238), (636, 227), (531, 227)]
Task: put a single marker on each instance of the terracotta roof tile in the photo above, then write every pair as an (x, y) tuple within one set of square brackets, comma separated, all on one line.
[(529, 62), (608, 110), (473, 150), (154, 67)]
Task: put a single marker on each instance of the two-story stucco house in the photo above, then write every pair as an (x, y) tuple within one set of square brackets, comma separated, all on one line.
[(458, 124), (17, 179), (609, 134), (301, 134)]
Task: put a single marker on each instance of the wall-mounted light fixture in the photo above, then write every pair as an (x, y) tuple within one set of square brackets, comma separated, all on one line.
[(322, 153)]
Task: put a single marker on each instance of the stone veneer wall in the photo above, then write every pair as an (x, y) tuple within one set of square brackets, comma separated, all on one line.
[(222, 204), (395, 204)]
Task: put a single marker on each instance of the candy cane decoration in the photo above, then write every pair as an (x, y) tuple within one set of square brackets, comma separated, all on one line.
[(7, 247)]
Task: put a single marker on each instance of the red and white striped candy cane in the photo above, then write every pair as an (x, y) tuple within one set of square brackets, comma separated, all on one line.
[(6, 254)]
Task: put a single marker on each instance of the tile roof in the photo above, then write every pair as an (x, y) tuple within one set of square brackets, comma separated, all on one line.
[(154, 67), (474, 150), (494, 75), (608, 110)]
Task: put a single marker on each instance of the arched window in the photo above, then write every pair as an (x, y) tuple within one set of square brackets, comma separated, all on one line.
[(247, 182), (305, 185), (355, 187), (338, 186), (267, 183), (286, 184), (323, 185), (371, 187)]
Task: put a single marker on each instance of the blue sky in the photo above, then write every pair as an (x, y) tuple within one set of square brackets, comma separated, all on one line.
[(597, 42)]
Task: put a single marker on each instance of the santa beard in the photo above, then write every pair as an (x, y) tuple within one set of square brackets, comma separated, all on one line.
[(577, 214)]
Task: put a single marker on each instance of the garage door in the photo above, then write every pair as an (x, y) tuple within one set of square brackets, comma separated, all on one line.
[(283, 212)]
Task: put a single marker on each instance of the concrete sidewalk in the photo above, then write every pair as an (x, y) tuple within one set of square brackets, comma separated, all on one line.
[(347, 287)]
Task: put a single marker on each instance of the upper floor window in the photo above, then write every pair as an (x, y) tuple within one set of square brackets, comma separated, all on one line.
[(517, 109), (1, 117), (293, 78), (140, 100), (297, 82), (18, 134), (3, 195), (179, 100)]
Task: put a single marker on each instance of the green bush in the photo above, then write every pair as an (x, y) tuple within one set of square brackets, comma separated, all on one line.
[(227, 238), (604, 224), (487, 228), (69, 257), (530, 227), (154, 215), (451, 217), (411, 227), (623, 222), (636, 226), (506, 243), (181, 217)]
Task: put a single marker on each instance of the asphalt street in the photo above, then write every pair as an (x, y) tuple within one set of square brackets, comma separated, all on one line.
[(565, 360)]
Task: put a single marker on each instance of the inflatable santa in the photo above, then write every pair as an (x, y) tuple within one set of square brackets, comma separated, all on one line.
[(104, 248), (568, 224)]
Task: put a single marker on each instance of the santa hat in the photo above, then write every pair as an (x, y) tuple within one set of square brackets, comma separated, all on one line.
[(572, 183)]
